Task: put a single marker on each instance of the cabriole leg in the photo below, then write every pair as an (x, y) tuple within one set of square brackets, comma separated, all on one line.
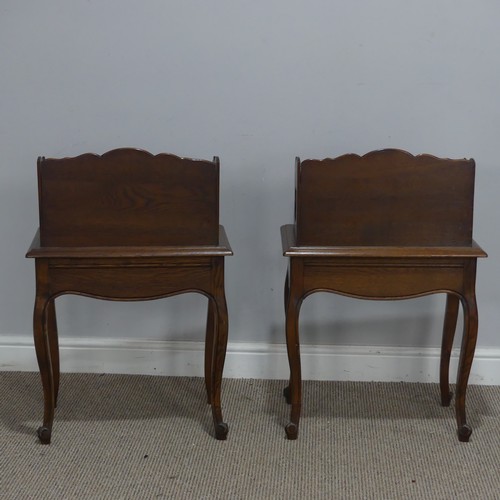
[(466, 357), (294, 390), (286, 390), (43, 354), (221, 333), (220, 330), (450, 324)]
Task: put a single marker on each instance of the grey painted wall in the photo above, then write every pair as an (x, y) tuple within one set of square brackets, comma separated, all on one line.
[(257, 83)]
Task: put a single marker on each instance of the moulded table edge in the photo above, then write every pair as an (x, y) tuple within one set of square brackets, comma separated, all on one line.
[(221, 250), (290, 249)]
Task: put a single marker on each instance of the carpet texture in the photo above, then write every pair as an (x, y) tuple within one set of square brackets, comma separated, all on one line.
[(141, 437)]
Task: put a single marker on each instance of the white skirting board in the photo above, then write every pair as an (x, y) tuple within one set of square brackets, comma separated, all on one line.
[(249, 360)]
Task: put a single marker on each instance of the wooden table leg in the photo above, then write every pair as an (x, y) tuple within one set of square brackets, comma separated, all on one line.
[(293, 392), (466, 357), (43, 354), (220, 346), (449, 327)]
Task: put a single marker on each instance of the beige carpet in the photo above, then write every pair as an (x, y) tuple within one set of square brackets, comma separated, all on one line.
[(140, 437)]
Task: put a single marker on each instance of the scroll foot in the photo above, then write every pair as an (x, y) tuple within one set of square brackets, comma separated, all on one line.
[(286, 393), (221, 430), (292, 431), (44, 434), (464, 433), (446, 399)]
